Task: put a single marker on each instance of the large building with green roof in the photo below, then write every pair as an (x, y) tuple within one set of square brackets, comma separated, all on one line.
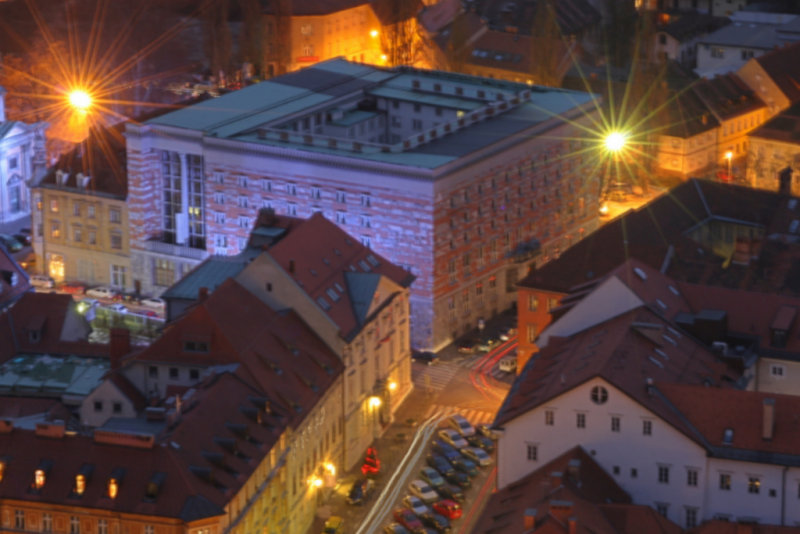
[(464, 181)]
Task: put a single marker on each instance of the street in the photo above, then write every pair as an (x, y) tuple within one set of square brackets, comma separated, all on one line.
[(471, 385)]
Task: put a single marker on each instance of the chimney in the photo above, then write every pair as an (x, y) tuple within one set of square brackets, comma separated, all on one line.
[(118, 346), (56, 429), (529, 519), (202, 294), (768, 419), (572, 525), (556, 478)]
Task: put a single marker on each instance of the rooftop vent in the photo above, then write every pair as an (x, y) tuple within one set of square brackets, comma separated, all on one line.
[(727, 436)]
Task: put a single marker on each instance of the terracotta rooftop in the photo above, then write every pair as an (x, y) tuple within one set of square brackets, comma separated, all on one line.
[(46, 323), (573, 16), (716, 526), (658, 235), (687, 25), (232, 326), (712, 412), (727, 96), (572, 487), (783, 68), (626, 351)]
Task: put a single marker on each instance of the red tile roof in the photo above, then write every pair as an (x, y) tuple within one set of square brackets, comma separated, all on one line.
[(783, 127), (625, 351), (783, 67), (657, 235), (580, 489), (712, 410), (272, 347), (726, 96), (716, 526), (47, 313), (324, 268), (129, 390)]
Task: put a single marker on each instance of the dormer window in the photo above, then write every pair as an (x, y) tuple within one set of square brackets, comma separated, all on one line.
[(195, 346), (80, 484), (38, 479), (2, 470), (113, 488), (727, 436)]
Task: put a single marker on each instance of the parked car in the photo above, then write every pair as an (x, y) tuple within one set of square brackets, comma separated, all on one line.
[(465, 466), (449, 491), (445, 449), (25, 239), (431, 476), (42, 281), (448, 508), (153, 302), (395, 528), (467, 346), (10, 243), (485, 345), (102, 292), (118, 308), (440, 463), (424, 357), (73, 288), (406, 517), (508, 364), (482, 442), (436, 521), (485, 429), (477, 455), (459, 479), (334, 525), (453, 438), (423, 491), (415, 504), (506, 332), (360, 491), (461, 425)]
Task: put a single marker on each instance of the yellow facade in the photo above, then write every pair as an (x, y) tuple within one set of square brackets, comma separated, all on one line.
[(767, 157), (79, 236)]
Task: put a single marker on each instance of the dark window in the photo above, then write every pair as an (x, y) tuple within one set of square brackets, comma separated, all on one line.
[(194, 374), (647, 428), (663, 474), (599, 395), (117, 407), (152, 371), (98, 406), (173, 372), (724, 481)]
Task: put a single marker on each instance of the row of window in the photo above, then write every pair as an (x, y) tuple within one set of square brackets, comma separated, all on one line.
[(74, 524), (114, 214), (291, 189), (580, 422), (115, 236), (174, 372)]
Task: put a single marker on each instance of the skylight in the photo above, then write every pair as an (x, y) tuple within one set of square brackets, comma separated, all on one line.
[(323, 303), (332, 294)]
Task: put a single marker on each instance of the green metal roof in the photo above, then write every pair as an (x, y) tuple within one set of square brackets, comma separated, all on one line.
[(209, 274)]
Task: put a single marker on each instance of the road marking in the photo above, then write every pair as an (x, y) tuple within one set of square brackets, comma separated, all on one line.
[(474, 416), (435, 377)]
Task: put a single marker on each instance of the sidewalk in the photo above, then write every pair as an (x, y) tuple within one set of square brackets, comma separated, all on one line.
[(391, 446)]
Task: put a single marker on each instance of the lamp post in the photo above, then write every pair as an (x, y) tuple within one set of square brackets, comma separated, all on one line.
[(614, 143), (375, 405)]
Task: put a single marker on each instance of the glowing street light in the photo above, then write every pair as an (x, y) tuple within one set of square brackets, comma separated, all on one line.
[(392, 386), (373, 34), (615, 141), (80, 100), (729, 157), (374, 402)]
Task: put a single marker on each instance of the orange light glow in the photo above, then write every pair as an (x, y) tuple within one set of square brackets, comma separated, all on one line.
[(113, 488), (80, 100)]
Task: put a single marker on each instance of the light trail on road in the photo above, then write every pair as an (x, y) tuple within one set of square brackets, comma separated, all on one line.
[(478, 375), (376, 516)]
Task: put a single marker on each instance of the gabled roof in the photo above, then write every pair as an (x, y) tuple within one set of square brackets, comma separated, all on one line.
[(782, 67), (689, 25), (657, 234), (337, 261), (572, 487), (712, 411), (270, 347), (54, 317), (129, 390), (783, 127), (625, 351), (727, 96)]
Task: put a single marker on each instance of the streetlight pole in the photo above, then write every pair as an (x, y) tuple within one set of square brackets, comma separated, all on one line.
[(729, 157)]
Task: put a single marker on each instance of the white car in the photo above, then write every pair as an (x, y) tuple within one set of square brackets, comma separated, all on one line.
[(415, 504), (451, 437), (102, 292), (154, 302), (461, 425), (43, 281), (508, 364), (117, 307), (477, 455), (423, 491)]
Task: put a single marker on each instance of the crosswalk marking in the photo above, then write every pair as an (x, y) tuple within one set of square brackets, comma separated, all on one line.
[(473, 416), (434, 377)]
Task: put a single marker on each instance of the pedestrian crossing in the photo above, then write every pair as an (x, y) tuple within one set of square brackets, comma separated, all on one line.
[(433, 377), (474, 416)]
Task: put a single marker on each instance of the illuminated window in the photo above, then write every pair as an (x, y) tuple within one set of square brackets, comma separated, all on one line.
[(38, 479), (55, 229), (2, 470), (56, 266), (54, 205), (753, 485), (74, 525), (80, 484), (47, 522), (102, 526), (113, 488)]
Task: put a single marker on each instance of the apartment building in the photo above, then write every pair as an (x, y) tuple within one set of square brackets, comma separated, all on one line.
[(463, 181)]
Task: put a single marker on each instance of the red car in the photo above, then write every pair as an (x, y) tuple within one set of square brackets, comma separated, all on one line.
[(406, 517), (449, 509), (73, 288)]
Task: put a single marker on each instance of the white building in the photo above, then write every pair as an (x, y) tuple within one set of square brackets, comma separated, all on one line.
[(654, 407), (22, 162)]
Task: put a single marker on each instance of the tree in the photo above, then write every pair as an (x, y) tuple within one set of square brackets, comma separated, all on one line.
[(400, 42), (547, 52)]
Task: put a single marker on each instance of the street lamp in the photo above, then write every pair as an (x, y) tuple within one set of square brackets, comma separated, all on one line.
[(375, 404), (729, 157), (80, 100), (615, 141)]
